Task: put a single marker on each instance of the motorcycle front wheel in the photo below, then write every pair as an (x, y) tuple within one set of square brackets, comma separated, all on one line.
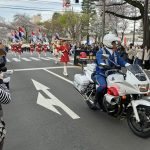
[(142, 128)]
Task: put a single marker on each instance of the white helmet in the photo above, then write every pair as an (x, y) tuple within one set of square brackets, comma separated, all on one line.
[(109, 38)]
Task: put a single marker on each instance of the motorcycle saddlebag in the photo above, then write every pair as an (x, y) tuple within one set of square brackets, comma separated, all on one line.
[(80, 82)]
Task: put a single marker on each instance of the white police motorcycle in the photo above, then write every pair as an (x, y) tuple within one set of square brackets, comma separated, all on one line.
[(127, 95)]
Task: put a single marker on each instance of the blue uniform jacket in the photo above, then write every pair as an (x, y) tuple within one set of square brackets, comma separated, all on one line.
[(114, 57)]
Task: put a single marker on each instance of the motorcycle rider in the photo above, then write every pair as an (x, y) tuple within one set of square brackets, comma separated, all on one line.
[(110, 48)]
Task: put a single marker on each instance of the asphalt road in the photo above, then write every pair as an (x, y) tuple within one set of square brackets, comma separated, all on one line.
[(31, 126)]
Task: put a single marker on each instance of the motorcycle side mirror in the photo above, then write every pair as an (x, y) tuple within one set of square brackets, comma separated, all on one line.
[(105, 56)]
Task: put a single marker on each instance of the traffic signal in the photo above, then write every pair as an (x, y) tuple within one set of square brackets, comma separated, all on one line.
[(76, 1)]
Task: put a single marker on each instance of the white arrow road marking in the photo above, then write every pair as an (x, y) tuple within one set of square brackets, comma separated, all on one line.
[(54, 101), (47, 103), (39, 86), (26, 59), (16, 59)]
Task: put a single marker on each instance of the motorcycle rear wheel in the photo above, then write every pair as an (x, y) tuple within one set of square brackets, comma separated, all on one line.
[(142, 128)]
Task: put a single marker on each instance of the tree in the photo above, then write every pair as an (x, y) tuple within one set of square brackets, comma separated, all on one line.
[(68, 24), (88, 8), (3, 29), (139, 5)]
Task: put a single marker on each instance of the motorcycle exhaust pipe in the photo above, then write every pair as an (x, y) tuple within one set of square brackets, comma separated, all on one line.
[(110, 99)]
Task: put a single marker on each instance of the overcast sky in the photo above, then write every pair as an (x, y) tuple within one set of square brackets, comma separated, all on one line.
[(10, 7)]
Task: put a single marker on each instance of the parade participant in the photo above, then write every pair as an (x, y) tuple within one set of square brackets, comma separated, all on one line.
[(110, 49), (19, 49), (64, 50), (31, 48), (38, 48), (55, 47), (14, 48), (45, 43), (4, 95), (45, 48)]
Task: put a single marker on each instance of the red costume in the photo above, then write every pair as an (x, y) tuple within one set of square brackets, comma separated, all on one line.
[(19, 49), (14, 48), (45, 48), (65, 53), (38, 48), (32, 47)]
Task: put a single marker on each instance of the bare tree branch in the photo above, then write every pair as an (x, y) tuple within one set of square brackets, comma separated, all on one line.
[(125, 17), (114, 4), (137, 4)]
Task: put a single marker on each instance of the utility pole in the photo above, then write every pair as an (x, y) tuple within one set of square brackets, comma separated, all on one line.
[(145, 22), (145, 43), (134, 29), (103, 22)]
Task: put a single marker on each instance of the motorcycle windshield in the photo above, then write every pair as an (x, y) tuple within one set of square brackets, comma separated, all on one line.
[(137, 71)]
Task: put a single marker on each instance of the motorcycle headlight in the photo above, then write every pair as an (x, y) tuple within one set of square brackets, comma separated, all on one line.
[(143, 87)]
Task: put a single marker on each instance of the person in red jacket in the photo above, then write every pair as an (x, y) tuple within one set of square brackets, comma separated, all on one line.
[(64, 51), (45, 48), (31, 48), (38, 48), (19, 49), (14, 48)]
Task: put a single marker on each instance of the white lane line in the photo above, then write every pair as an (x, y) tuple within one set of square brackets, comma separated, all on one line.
[(45, 58), (26, 59), (30, 69), (16, 59), (7, 60), (69, 81), (35, 58), (54, 59)]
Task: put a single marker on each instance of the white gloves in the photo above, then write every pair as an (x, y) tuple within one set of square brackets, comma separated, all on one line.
[(127, 64), (103, 64)]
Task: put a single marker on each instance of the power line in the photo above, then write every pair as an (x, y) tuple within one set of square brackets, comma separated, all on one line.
[(47, 2), (34, 9), (24, 7)]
